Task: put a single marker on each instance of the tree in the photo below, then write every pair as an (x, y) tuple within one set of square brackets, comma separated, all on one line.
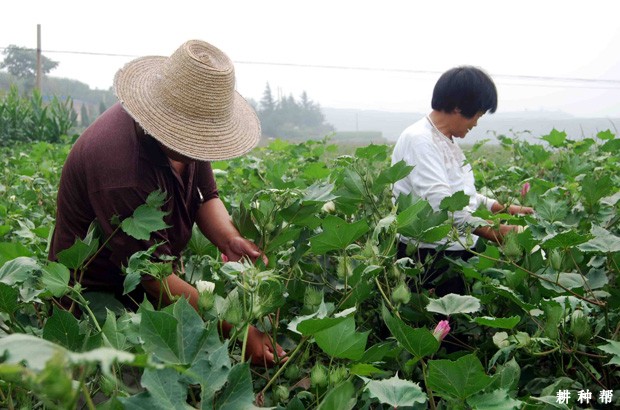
[(85, 119), (286, 118), (267, 104), (22, 62)]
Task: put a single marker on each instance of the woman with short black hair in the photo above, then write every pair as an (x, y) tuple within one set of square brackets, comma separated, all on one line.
[(461, 96)]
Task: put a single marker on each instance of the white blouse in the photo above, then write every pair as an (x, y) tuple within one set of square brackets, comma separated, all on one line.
[(439, 171)]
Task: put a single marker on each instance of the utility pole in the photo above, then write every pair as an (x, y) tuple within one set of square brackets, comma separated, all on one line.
[(38, 80)]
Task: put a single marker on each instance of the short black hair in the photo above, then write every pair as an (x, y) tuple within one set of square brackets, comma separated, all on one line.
[(467, 88)]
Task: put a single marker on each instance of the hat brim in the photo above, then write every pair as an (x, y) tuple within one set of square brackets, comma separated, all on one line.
[(204, 139)]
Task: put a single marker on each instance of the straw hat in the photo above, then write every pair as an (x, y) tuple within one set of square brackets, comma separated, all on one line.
[(188, 102)]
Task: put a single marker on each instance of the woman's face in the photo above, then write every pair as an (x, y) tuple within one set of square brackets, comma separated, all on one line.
[(463, 125)]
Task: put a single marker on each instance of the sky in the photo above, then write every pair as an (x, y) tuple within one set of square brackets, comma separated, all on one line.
[(544, 55)]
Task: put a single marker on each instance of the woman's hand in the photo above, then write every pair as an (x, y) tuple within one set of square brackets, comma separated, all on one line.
[(262, 350)]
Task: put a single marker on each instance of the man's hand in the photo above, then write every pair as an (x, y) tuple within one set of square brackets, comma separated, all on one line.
[(260, 348), (238, 247)]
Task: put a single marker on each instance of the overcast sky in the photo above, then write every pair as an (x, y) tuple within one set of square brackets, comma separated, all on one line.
[(388, 53)]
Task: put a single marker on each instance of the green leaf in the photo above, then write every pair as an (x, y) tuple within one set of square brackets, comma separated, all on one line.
[(593, 188), (395, 392), (55, 278), (603, 241), (454, 202), (498, 322), (564, 240), (507, 376), (613, 348), (341, 340), (244, 223), (147, 218), (12, 250), (165, 391), (341, 397), (453, 303), (212, 372), (337, 234), (238, 393), (459, 379), (495, 400), (555, 138), (110, 330), (612, 146), (311, 326), (364, 369), (567, 280), (409, 208), (390, 175), (419, 342), (176, 338), (81, 250), (552, 209), (63, 328), (8, 298), (18, 270), (36, 352), (373, 152), (319, 192), (316, 170), (605, 135), (198, 243)]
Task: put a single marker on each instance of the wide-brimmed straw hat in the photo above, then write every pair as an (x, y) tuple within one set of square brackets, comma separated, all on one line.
[(188, 102)]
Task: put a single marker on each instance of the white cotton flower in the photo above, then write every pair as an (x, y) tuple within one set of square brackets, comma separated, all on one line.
[(329, 207), (205, 286)]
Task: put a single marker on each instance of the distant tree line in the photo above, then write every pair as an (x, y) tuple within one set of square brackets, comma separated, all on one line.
[(20, 66), (288, 118)]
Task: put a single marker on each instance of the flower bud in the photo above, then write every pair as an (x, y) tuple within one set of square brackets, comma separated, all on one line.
[(234, 311), (312, 298), (329, 207), (579, 326), (206, 298), (318, 375), (512, 250), (556, 260), (338, 374), (344, 268), (280, 394), (441, 330), (525, 189), (401, 294), (292, 372)]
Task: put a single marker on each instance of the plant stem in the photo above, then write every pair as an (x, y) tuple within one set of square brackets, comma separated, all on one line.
[(281, 369), (245, 341), (511, 263), (429, 391), (387, 300)]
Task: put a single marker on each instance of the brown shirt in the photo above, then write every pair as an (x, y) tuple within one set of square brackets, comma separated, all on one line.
[(110, 171)]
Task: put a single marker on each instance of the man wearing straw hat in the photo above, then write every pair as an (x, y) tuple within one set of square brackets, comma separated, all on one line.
[(175, 115)]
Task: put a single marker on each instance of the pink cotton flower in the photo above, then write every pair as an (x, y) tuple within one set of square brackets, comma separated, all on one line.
[(441, 330), (525, 189), (224, 258)]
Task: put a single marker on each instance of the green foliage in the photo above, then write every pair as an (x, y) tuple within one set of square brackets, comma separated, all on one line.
[(29, 119), (540, 313)]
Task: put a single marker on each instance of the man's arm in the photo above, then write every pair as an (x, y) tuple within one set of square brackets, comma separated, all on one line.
[(215, 223)]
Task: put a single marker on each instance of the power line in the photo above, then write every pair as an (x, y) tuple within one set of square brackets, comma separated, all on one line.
[(595, 83)]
